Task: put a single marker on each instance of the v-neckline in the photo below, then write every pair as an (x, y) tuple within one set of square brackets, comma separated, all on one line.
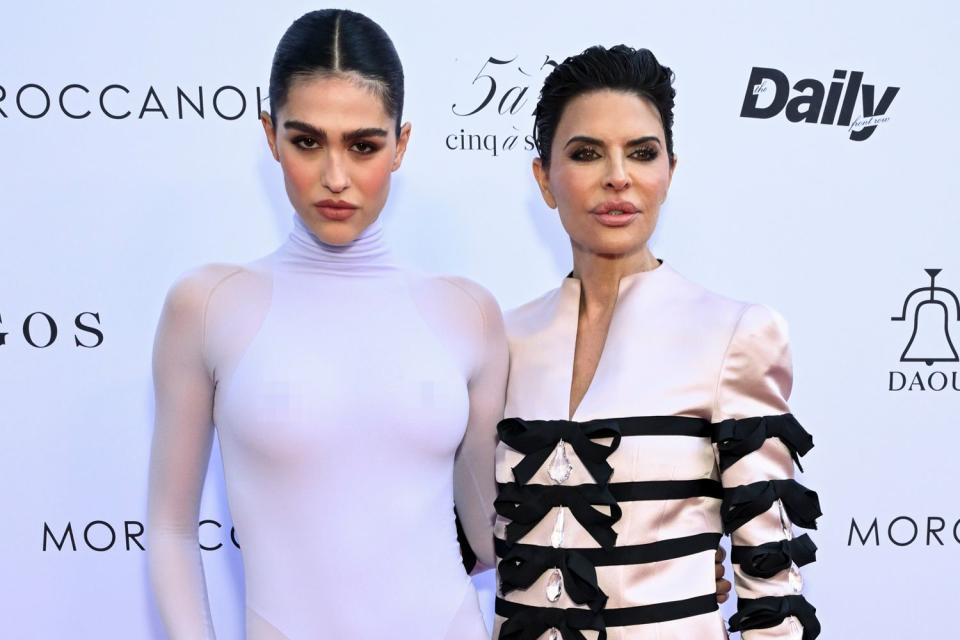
[(573, 363), (625, 283)]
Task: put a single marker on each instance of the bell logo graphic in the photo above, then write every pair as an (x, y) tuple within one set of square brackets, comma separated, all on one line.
[(932, 308)]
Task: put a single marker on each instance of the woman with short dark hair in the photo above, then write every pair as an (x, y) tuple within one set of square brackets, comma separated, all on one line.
[(645, 415)]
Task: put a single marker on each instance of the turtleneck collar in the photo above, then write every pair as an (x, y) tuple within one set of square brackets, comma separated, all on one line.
[(367, 255)]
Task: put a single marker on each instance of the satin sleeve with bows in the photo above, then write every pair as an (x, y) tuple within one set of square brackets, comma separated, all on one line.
[(757, 443)]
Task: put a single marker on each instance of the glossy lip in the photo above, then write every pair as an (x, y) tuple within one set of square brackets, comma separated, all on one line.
[(601, 213), (614, 205), (335, 210)]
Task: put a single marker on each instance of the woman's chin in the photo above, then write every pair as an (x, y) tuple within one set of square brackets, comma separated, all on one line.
[(335, 232), (625, 245)]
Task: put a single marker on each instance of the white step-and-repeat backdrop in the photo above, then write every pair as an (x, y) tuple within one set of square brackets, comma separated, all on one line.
[(817, 146)]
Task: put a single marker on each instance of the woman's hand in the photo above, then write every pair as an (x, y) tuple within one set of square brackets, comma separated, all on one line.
[(723, 586)]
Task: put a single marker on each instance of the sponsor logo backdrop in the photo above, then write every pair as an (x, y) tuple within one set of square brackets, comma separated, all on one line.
[(816, 175)]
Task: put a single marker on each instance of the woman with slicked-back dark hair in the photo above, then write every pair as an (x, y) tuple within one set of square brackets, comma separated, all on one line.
[(645, 415), (355, 401)]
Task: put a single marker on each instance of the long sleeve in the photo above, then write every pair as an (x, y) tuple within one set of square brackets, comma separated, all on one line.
[(475, 488), (757, 442), (180, 453)]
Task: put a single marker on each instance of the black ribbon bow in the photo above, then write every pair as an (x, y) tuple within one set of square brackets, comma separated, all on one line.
[(737, 438), (763, 613), (526, 505), (767, 560), (742, 504), (533, 622), (537, 439), (521, 567)]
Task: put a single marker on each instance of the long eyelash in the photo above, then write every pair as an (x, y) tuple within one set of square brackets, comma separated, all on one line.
[(583, 154), (647, 153), (371, 147), (299, 140)]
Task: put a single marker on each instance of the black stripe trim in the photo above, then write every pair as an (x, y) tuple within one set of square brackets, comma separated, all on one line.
[(625, 491), (629, 616), (669, 549), (665, 426), (631, 426), (666, 490)]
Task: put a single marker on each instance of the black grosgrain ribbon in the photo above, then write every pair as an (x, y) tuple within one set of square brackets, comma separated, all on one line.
[(763, 613), (767, 560), (523, 564), (527, 505), (742, 504), (668, 549), (533, 622), (536, 439), (737, 438)]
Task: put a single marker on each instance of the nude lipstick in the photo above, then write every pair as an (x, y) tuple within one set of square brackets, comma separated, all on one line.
[(335, 210), (615, 213)]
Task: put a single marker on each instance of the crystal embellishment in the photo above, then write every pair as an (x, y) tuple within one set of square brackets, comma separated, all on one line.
[(556, 538), (796, 580), (554, 585), (560, 467), (785, 521)]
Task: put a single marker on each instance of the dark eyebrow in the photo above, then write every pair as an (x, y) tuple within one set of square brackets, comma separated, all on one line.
[(369, 132), (642, 140), (305, 128), (584, 139), (599, 143), (320, 134)]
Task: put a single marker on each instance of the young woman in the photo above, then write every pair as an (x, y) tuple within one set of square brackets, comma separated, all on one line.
[(354, 401), (612, 494)]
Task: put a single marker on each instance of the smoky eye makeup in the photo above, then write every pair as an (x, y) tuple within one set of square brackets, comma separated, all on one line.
[(646, 152), (365, 147), (305, 142), (584, 154)]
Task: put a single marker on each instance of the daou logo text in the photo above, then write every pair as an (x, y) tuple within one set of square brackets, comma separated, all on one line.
[(932, 314)]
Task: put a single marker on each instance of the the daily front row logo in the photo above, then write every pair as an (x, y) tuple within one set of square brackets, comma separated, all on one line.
[(769, 93), (932, 313)]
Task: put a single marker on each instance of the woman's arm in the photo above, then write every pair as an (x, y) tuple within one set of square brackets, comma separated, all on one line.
[(183, 433), (475, 486), (757, 442)]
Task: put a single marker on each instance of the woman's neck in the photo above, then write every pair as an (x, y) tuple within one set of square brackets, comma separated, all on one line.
[(367, 254), (600, 276)]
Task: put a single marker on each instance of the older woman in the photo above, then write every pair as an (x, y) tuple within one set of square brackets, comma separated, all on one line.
[(645, 415)]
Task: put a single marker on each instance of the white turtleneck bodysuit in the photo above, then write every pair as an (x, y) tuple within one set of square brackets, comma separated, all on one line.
[(355, 402)]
